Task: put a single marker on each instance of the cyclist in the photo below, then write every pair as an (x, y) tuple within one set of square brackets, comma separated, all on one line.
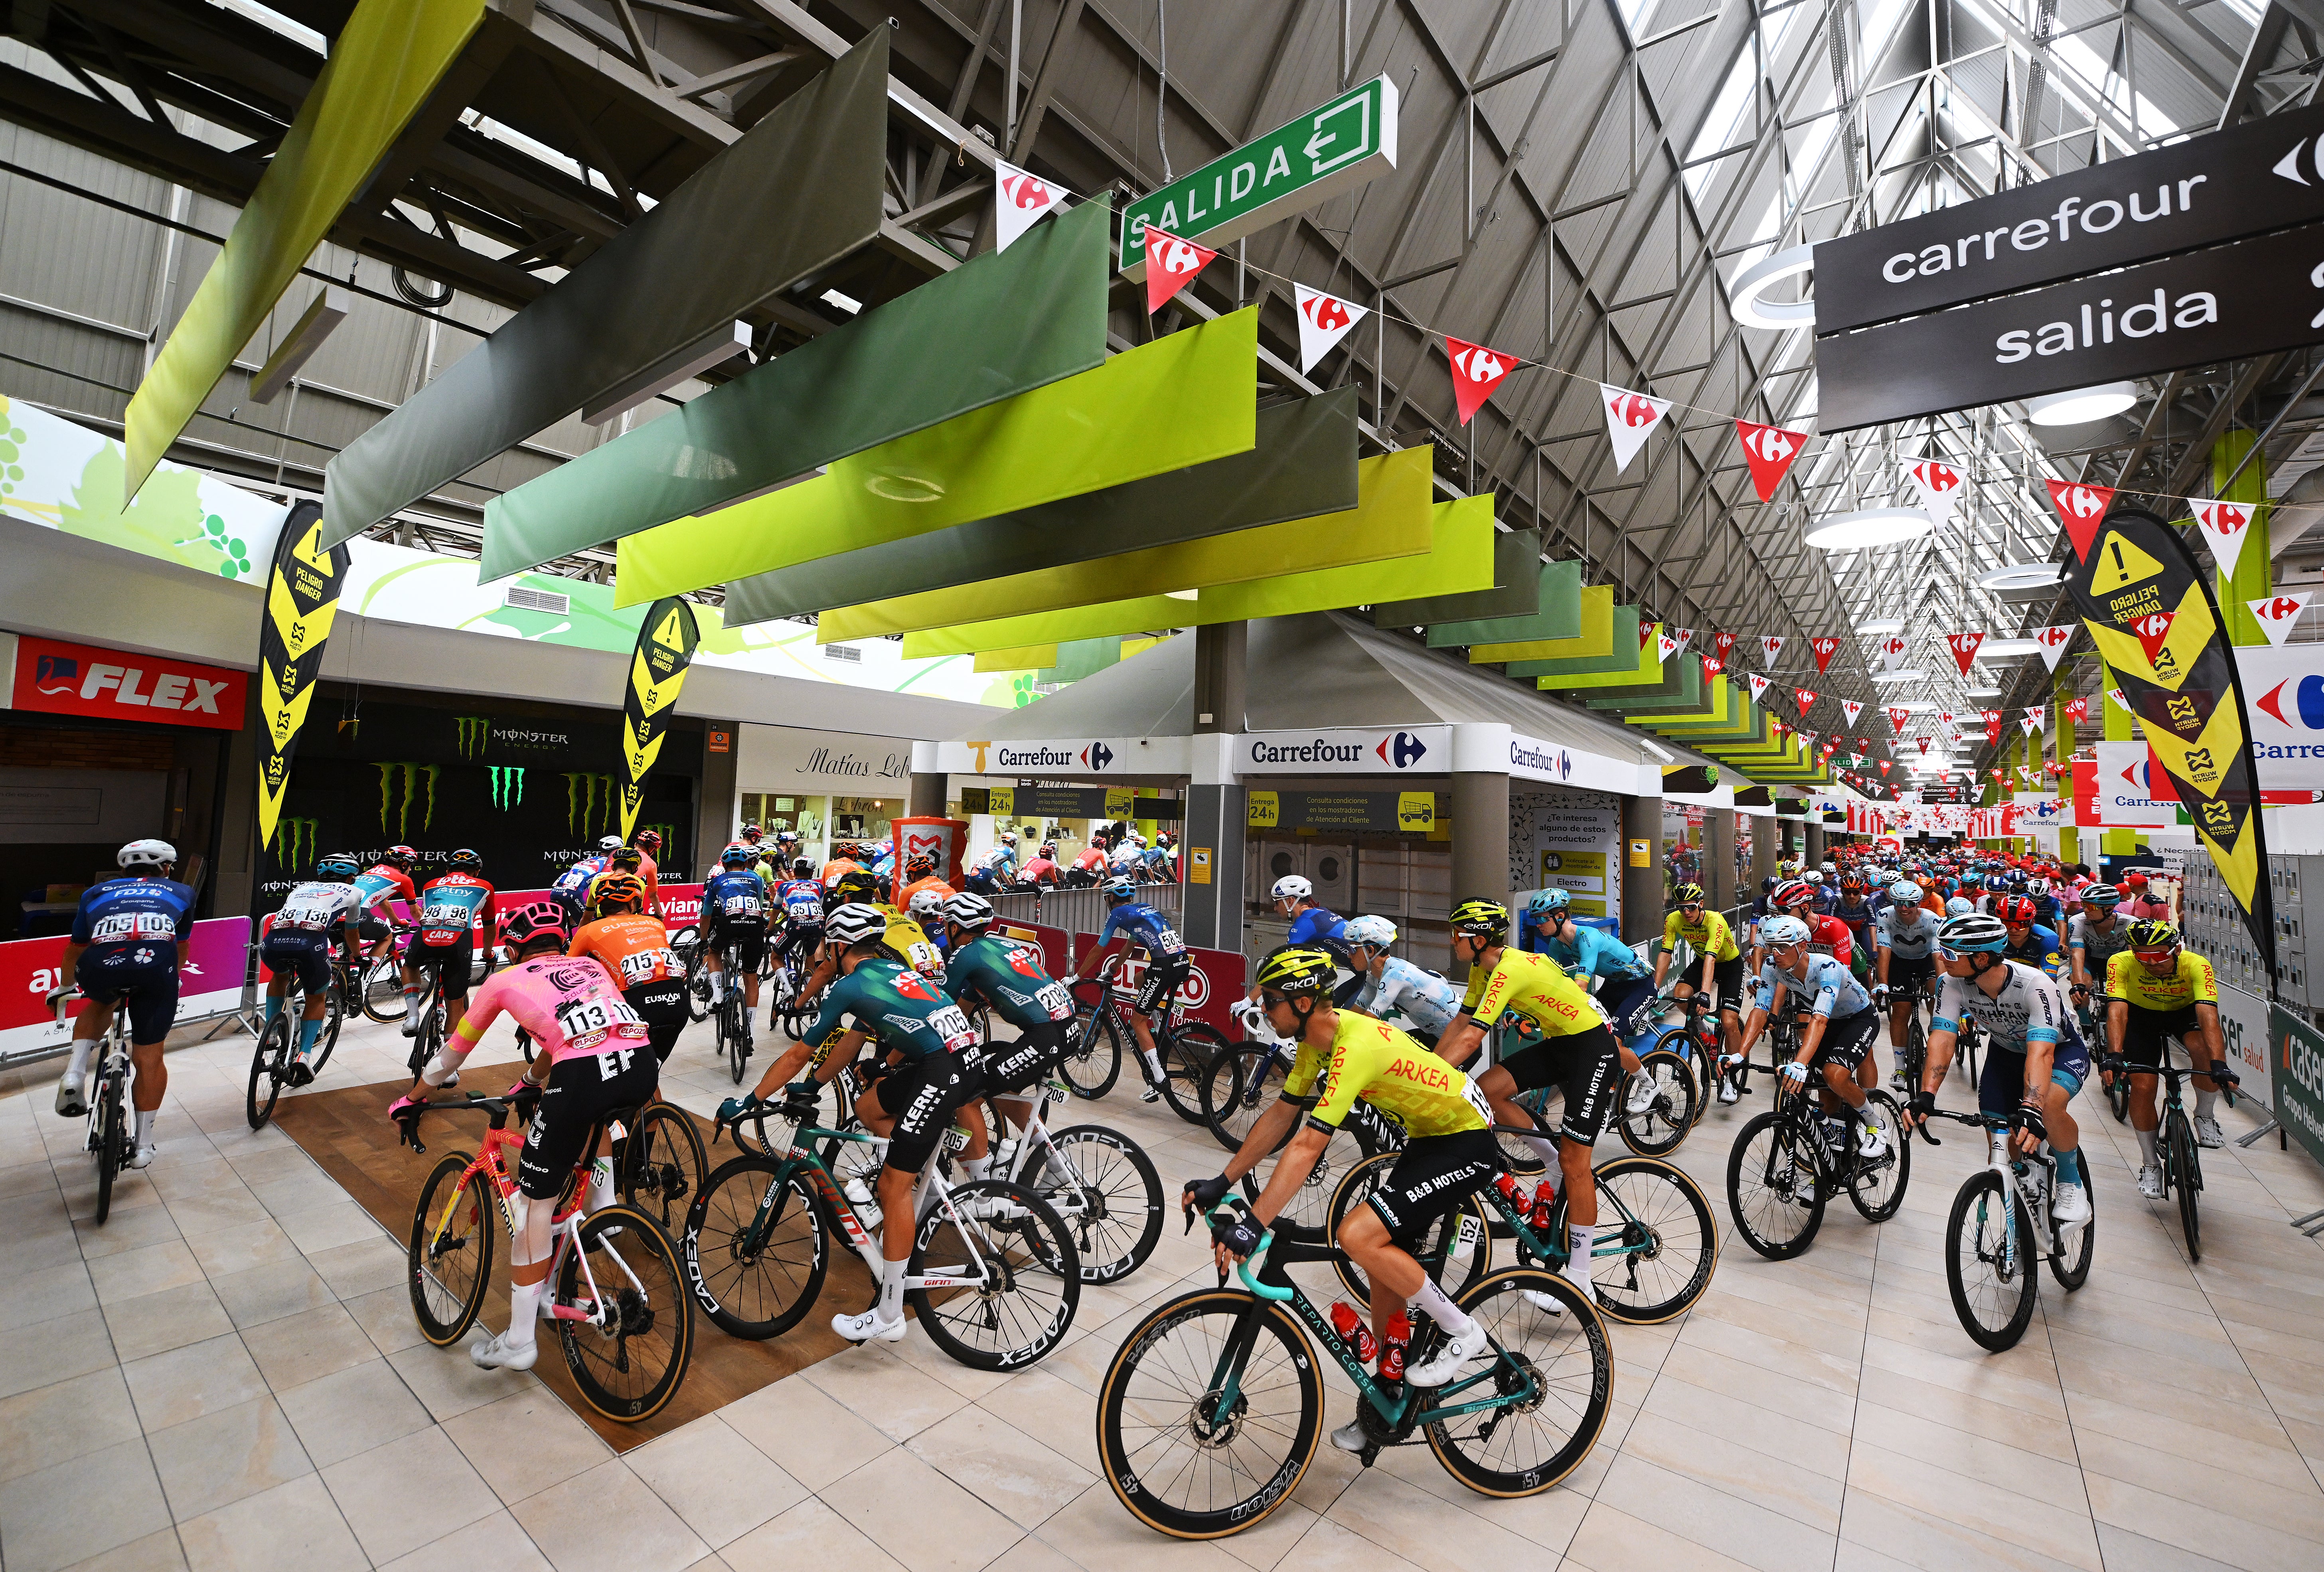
[(299, 943), (920, 874), (449, 907), (1295, 899), (589, 1062), (2095, 936), (1041, 868), (1708, 933), (1419, 1003), (800, 898), (2048, 910), (571, 888), (905, 941), (734, 915), (842, 863), (2156, 989), (1855, 912), (129, 940), (1575, 1051), (388, 879), (632, 944), (1903, 953), (1006, 978), (2035, 1061), (649, 845), (1161, 859), (1448, 1155), (1625, 990), (1089, 866), (879, 997), (2030, 944), (1841, 1027), (925, 910), (1136, 925)]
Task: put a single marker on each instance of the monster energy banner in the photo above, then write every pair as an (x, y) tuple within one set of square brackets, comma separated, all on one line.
[(665, 642), (2151, 613), (302, 596)]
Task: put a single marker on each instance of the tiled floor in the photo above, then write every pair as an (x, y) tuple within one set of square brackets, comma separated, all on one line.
[(228, 1375)]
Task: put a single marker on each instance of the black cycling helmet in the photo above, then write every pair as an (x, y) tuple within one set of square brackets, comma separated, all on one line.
[(464, 860)]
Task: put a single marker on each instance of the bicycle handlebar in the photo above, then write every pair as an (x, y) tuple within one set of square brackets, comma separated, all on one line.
[(498, 1108)]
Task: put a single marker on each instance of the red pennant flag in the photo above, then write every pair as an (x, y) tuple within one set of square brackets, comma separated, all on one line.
[(2080, 508), (1712, 666), (1923, 741), (1171, 264), (1896, 715), (1476, 373), (1770, 450), (1646, 634), (1823, 650), (1884, 767), (1724, 643), (1806, 697), (2077, 709), (2152, 629), (1964, 648)]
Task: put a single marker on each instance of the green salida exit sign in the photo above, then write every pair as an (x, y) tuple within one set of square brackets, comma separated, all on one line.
[(1330, 150)]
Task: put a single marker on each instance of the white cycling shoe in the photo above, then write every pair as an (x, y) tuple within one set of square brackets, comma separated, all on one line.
[(2150, 1182), (2070, 1206), (2208, 1132), (868, 1327), (141, 1156), (1444, 1363), (501, 1354), (1641, 1094), (1351, 1437), (1871, 1141), (71, 1101)]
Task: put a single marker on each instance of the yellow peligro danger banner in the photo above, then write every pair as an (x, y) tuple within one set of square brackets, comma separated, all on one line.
[(302, 599), (665, 642)]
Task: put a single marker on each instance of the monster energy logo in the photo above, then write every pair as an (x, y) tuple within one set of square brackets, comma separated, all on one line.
[(588, 797), (408, 775), (474, 731), (508, 784), (290, 836)]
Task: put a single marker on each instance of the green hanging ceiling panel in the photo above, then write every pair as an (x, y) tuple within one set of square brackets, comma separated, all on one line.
[(1680, 692), (1622, 639), (1304, 464), (1560, 616), (1030, 657), (1186, 399), (1516, 592), (1734, 720), (1000, 324), (1646, 673), (1595, 640)]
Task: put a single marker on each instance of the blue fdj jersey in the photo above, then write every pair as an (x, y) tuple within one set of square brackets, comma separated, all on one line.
[(734, 896), (1829, 989), (574, 882), (122, 913), (802, 901), (1146, 928), (1596, 953), (1315, 923)]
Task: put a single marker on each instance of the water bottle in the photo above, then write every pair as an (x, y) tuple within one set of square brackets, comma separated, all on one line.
[(1003, 1152), (1348, 1322), (1510, 1191), (1395, 1341), (1544, 1197)]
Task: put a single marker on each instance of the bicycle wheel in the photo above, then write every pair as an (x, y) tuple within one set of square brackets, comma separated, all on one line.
[(2118, 1097), (1110, 1195), (1669, 1114), (1196, 1047), (659, 1164), (1990, 1262), (450, 1250), (335, 1015), (1524, 1163), (1091, 1061), (268, 1059), (1771, 1188), (630, 1355), (1877, 1190), (112, 1141), (1655, 1245), (1311, 1207), (1183, 1467), (1027, 1276), (1242, 1086), (1463, 1236), (383, 989), (2184, 1173), (756, 1250), (2071, 1264), (734, 1029), (1556, 1370)]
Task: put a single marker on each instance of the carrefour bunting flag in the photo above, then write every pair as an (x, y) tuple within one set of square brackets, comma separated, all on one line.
[(665, 642), (302, 597)]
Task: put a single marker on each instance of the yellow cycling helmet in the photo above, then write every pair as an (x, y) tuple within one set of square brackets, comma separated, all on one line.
[(1297, 970), (1486, 919)]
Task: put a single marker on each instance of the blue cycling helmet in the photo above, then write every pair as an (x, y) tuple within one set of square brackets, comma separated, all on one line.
[(338, 864), (1549, 900), (1960, 906), (737, 856), (1118, 890)]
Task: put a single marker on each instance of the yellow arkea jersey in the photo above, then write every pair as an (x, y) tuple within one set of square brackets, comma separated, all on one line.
[(1711, 937), (1535, 986), (2191, 983), (1373, 1060), (909, 939)]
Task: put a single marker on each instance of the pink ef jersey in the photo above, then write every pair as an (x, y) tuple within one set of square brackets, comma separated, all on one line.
[(569, 1004)]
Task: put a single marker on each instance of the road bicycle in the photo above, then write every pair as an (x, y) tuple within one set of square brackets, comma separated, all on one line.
[(2182, 1166), (1212, 1408), (2001, 1229), (1786, 1165), (2115, 1089), (694, 956), (111, 1075), (277, 1047), (1189, 1050), (731, 1017), (618, 1294), (1099, 1183), (1913, 1054), (1669, 1064), (994, 1276), (379, 979)]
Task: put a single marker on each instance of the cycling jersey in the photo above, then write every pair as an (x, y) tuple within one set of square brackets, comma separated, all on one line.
[(2031, 1007), (1042, 870), (1008, 976), (1828, 935), (896, 1004), (904, 897), (1861, 920), (1426, 999), (1316, 923), (632, 946), (132, 915), (1532, 986), (1146, 928), (1373, 1060), (1829, 989), (2040, 950), (734, 896), (1595, 954), (382, 882), (319, 908), (569, 1006), (2097, 945), (837, 869), (1090, 857), (2189, 983), (1710, 935), (801, 900), (572, 885), (650, 872), (449, 907), (1904, 941)]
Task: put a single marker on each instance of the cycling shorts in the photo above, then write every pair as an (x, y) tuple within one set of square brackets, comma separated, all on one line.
[(1727, 978), (922, 1097), (747, 935), (304, 956), (372, 929), (1581, 1065), (800, 940), (2001, 1082), (148, 986), (1907, 976), (583, 1092), (1432, 1175), (2145, 1032), (1165, 974), (1847, 1041), (1010, 1068), (661, 1005), (456, 961), (1624, 999)]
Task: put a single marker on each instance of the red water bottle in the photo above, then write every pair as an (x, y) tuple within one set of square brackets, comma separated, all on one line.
[(1510, 1191), (1398, 1338), (1349, 1323), (1544, 1198)]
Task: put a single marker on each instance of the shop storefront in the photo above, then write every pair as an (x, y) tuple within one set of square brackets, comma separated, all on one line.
[(824, 786)]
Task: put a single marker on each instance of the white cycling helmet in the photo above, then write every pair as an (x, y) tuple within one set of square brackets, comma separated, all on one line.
[(1777, 931), (1292, 887), (1812, 876), (968, 909), (1904, 892), (927, 903), (146, 854), (854, 923), (1371, 933)]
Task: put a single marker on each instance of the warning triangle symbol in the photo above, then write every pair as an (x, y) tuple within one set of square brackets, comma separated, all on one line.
[(2120, 565)]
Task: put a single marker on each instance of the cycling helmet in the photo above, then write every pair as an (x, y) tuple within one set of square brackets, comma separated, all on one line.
[(338, 865), (2014, 910), (537, 920), (919, 865), (927, 905), (2153, 934), (803, 868), (737, 856), (752, 831), (856, 885), (1292, 887), (2037, 887), (1549, 900), (608, 844), (1781, 933), (1792, 892), (146, 854), (854, 923), (1487, 920), (1972, 934), (1163, 838), (1828, 866), (627, 857), (1008, 837), (1049, 849), (1997, 882), (616, 890), (786, 837), (1371, 933), (649, 841), (1118, 890), (1812, 876), (402, 856), (1960, 906), (1789, 868), (968, 910), (1852, 881), (1688, 894), (2100, 895), (1297, 970), (1904, 893), (1768, 884), (464, 860)]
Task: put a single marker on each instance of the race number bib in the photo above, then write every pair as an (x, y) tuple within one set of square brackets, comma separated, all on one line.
[(740, 906), (1166, 941), (1477, 1101), (131, 925), (312, 918), (584, 1021), (925, 958), (645, 965), (445, 915), (1053, 998), (952, 1025)]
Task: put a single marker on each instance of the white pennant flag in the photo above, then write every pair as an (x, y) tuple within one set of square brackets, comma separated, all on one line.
[(2034, 715), (1892, 651), (1323, 320), (1938, 488), (1019, 198), (1851, 708), (2277, 613), (1771, 647), (1759, 686), (1664, 647), (2225, 527), (2053, 642), (1630, 418), (1685, 636)]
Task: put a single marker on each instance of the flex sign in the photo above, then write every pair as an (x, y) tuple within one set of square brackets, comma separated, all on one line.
[(80, 679), (1328, 151), (1346, 750), (2230, 185)]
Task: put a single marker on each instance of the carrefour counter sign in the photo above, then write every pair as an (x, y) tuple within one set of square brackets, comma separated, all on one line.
[(1347, 750)]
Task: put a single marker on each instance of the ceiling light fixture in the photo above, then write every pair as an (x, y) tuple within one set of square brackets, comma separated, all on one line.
[(2021, 576), (1909, 674), (1745, 291), (1870, 528), (1880, 627), (2080, 406)]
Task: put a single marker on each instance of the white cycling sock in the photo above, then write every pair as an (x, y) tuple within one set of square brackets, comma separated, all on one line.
[(2146, 1148), (144, 1136), (1578, 1237), (1432, 1302), (976, 1167), (717, 986), (2207, 1104), (601, 1184), (81, 1048), (524, 1309), (1543, 1148), (1153, 1058), (891, 1304)]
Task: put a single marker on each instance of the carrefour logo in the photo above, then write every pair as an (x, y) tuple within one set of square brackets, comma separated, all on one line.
[(1402, 750), (1097, 756)]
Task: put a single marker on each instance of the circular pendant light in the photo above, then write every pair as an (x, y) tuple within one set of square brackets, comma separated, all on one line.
[(2021, 576), (2080, 406), (1870, 528)]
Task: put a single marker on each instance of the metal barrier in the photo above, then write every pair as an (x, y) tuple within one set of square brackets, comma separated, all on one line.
[(1083, 911)]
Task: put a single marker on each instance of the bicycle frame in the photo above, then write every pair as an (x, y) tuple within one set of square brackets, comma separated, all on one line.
[(1999, 1160)]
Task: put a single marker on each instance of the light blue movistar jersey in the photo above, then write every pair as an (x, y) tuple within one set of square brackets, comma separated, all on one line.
[(1908, 941), (1829, 989), (1426, 999)]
